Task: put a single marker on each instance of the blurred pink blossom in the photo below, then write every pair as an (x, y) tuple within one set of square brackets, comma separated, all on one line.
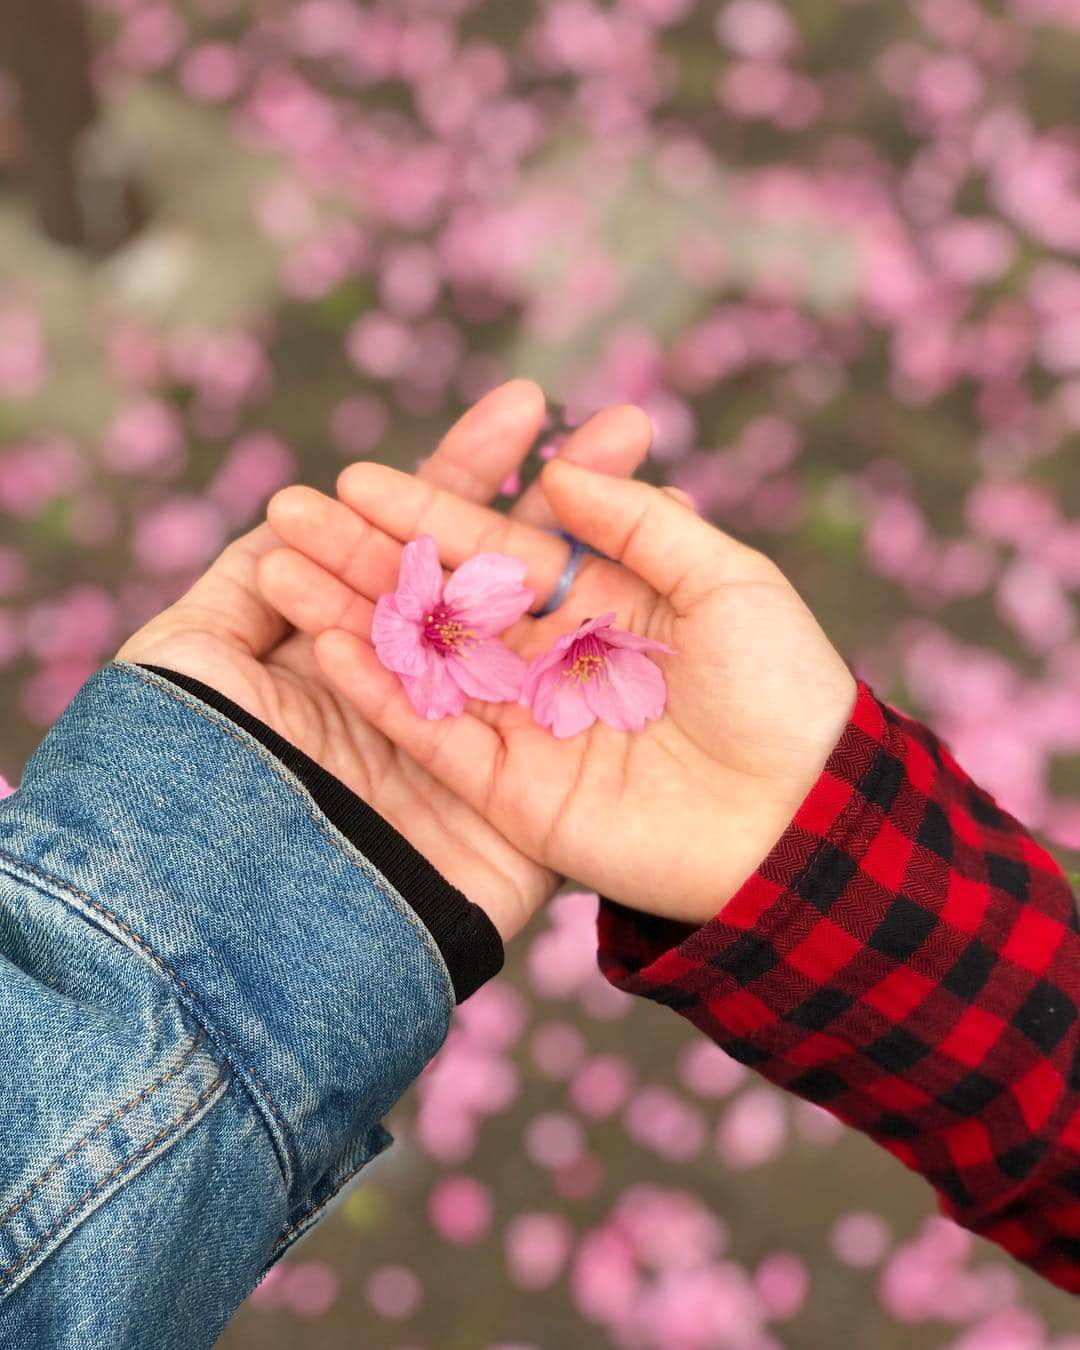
[(601, 1086), (460, 1209), (553, 1139), (150, 37), (34, 474), (782, 1281), (212, 72), (860, 1239), (309, 1288), (537, 1248), (395, 1292), (758, 28), (358, 424), (82, 622), (658, 1119), (753, 1128), (379, 345), (707, 1071), (23, 366), (181, 533), (254, 467), (144, 438), (557, 1048)]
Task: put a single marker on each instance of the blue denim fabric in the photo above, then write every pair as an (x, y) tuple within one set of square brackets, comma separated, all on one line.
[(208, 1001)]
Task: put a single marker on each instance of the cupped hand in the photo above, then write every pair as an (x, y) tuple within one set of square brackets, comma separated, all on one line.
[(670, 820), (248, 643)]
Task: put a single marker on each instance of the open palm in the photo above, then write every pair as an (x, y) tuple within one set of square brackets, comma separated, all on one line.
[(227, 634), (670, 820)]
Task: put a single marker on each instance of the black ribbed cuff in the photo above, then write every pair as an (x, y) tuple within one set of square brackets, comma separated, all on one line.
[(469, 941)]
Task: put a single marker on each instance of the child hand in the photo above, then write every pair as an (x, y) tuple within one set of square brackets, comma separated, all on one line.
[(671, 820)]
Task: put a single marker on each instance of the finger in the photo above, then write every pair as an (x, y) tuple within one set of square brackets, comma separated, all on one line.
[(487, 443), (613, 441), (337, 538), (659, 538), (309, 597), (227, 594), (401, 507), (459, 751), (680, 496)]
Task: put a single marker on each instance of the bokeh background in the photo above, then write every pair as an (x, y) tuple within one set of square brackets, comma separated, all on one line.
[(833, 248)]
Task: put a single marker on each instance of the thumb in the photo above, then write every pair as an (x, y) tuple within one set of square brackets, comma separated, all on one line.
[(648, 530)]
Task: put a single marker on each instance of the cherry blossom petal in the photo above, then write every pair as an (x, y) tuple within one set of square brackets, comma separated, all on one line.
[(594, 625), (559, 703), (397, 640), (435, 693), (486, 592), (634, 642), (553, 659), (420, 580), (489, 670), (632, 692)]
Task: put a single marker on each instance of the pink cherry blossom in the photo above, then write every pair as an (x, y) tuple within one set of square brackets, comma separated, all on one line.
[(752, 1129), (597, 672), (557, 1049), (145, 438), (783, 1282), (707, 1071), (554, 1139), (440, 639), (537, 1246), (601, 1086), (394, 1292), (460, 1208), (23, 365), (309, 1288), (660, 1120), (860, 1238)]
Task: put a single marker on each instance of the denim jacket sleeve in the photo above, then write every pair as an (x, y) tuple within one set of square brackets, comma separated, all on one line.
[(209, 998)]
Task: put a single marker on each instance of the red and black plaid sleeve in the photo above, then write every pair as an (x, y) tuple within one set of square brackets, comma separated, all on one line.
[(908, 958)]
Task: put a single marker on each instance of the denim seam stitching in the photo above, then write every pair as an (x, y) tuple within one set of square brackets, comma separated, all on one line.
[(118, 1171), (316, 1210), (137, 1100), (260, 752), (290, 1168)]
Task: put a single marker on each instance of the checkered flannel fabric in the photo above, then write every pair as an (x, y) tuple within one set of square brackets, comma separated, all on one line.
[(908, 958)]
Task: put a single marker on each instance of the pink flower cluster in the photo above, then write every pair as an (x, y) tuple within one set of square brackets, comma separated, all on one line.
[(441, 640)]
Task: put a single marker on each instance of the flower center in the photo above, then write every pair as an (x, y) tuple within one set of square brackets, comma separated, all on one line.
[(446, 633), (588, 660)]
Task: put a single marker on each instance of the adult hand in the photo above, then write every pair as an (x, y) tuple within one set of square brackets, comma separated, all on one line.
[(671, 820), (240, 630)]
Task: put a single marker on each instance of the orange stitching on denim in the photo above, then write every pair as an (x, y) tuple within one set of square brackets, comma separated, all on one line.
[(168, 970), (117, 1171), (261, 752), (318, 1209), (177, 1068)]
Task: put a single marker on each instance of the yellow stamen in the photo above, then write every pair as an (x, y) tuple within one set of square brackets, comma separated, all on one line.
[(587, 666), (446, 633)]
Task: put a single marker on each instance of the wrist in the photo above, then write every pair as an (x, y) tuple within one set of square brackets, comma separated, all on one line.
[(742, 822), (811, 742)]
